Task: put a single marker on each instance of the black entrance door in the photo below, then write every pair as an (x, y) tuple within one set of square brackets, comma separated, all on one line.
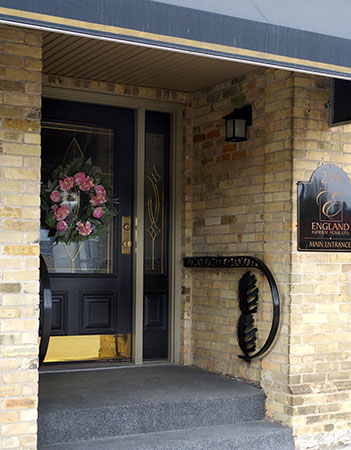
[(91, 281)]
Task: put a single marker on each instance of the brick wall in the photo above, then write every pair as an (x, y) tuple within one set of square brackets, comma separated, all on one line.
[(240, 205), (236, 199), (20, 99), (279, 100), (242, 200), (320, 366), (186, 353), (123, 90), (227, 218)]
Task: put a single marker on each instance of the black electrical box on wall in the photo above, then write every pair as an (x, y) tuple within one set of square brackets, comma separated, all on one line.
[(340, 111)]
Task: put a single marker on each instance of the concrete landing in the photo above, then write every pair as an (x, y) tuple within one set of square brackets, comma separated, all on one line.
[(133, 385), (145, 407)]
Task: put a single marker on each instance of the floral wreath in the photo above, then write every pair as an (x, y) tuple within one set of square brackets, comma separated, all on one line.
[(76, 205)]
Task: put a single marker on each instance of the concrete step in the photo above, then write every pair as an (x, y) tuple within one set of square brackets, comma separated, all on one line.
[(104, 404), (241, 436)]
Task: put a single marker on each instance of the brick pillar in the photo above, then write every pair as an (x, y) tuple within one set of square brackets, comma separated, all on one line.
[(277, 233), (320, 341), (20, 99), (186, 356)]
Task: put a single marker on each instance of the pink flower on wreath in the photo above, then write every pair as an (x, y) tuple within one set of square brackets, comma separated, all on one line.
[(98, 200), (98, 212), (60, 213), (61, 226), (84, 229), (100, 196), (66, 184), (79, 178), (55, 196), (87, 184)]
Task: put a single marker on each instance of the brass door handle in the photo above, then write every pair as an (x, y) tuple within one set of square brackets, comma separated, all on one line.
[(126, 235)]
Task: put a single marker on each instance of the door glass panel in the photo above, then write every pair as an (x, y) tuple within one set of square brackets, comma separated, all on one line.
[(156, 219), (154, 236), (62, 143)]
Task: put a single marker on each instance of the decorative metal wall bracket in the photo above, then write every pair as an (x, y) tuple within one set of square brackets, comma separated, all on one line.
[(248, 299)]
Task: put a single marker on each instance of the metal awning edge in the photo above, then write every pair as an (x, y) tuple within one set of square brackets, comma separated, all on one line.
[(167, 42)]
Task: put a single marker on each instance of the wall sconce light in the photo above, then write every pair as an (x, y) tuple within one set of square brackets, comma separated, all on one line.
[(236, 124)]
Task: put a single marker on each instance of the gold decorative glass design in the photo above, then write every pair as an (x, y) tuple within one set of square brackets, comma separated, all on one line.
[(154, 203), (61, 143)]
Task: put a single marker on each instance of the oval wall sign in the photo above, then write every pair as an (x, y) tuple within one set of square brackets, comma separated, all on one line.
[(324, 211)]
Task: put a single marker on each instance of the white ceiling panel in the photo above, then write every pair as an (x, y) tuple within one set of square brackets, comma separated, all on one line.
[(92, 59)]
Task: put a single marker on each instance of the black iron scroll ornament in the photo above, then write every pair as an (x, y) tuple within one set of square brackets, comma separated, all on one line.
[(46, 312), (248, 299)]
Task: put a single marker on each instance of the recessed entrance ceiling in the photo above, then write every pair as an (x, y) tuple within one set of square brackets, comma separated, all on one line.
[(92, 59)]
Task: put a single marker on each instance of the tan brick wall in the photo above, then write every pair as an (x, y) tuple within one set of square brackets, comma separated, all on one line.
[(124, 90), (240, 205), (20, 99), (242, 200), (277, 232), (187, 236), (227, 218), (320, 366), (236, 199)]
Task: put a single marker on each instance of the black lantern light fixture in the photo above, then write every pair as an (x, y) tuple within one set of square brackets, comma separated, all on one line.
[(236, 124)]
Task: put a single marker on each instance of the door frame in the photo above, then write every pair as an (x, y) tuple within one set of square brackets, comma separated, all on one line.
[(139, 106)]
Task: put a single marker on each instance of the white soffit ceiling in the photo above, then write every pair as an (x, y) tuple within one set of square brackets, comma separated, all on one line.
[(92, 59)]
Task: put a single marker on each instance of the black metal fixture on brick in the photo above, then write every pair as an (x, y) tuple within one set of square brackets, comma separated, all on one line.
[(46, 313), (248, 299), (236, 124)]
